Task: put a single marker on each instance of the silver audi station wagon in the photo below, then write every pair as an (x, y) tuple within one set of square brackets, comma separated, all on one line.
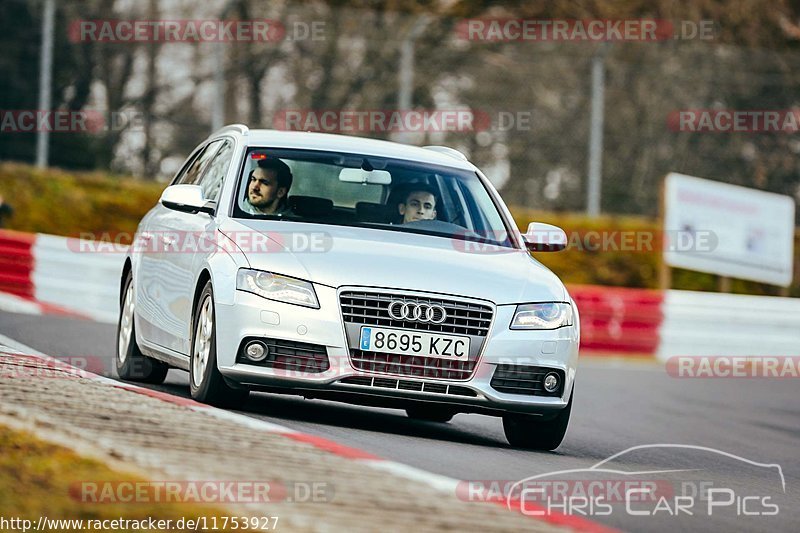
[(352, 269)]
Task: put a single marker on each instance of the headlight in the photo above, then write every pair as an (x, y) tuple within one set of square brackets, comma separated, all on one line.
[(542, 316), (277, 287)]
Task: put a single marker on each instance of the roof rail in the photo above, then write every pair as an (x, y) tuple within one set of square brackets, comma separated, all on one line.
[(452, 152), (238, 128)]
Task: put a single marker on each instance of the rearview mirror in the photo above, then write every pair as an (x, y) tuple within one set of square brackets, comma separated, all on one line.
[(186, 198), (358, 175), (542, 237)]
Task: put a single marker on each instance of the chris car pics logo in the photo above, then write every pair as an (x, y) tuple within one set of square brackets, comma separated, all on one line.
[(693, 490)]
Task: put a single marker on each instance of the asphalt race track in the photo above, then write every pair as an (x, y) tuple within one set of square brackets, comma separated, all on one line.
[(618, 405)]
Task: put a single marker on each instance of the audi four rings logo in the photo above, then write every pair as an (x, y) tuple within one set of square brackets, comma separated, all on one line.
[(417, 312)]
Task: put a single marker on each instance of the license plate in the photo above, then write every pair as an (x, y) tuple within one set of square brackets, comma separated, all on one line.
[(404, 342)]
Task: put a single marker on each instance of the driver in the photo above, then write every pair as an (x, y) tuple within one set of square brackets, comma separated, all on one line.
[(268, 188), (419, 204)]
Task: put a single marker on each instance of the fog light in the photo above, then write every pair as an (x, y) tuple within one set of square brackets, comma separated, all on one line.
[(551, 382), (256, 351)]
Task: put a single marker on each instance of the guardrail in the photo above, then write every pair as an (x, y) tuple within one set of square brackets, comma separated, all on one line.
[(619, 321)]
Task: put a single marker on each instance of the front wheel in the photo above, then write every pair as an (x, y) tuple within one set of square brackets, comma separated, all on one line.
[(533, 433), (131, 363), (205, 380)]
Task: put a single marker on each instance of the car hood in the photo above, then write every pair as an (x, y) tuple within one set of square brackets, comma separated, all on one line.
[(348, 256)]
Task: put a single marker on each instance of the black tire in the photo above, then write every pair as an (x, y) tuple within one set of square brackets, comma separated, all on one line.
[(431, 414), (131, 363), (533, 433), (205, 380)]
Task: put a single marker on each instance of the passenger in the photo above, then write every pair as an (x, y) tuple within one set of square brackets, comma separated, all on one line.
[(268, 188), (418, 204)]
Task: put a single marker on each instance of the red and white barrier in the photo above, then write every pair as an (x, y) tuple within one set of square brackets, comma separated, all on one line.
[(689, 323), (619, 320), (715, 324), (63, 275), (16, 263), (44, 273)]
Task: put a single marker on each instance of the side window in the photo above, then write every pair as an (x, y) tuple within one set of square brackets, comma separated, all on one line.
[(482, 219), (185, 168), (451, 201), (212, 179), (196, 168)]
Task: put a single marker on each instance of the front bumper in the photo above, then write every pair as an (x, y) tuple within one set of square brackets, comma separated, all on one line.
[(252, 316)]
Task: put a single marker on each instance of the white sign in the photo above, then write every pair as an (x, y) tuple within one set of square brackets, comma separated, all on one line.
[(728, 230)]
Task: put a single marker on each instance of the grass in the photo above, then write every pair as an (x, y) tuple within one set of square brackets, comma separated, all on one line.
[(65, 203), (41, 479)]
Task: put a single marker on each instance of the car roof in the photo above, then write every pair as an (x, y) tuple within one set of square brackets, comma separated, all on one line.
[(346, 143)]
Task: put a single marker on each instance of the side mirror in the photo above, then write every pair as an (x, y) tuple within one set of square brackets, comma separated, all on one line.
[(542, 237), (186, 198)]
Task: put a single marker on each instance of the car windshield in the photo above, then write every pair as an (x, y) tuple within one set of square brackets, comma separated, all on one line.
[(367, 191)]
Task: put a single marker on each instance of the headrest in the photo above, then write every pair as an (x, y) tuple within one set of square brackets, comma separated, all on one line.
[(369, 212), (310, 206)]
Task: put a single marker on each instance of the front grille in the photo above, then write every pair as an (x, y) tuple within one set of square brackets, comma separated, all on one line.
[(361, 308), (404, 384), (289, 355), (372, 309), (527, 380), (411, 365)]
